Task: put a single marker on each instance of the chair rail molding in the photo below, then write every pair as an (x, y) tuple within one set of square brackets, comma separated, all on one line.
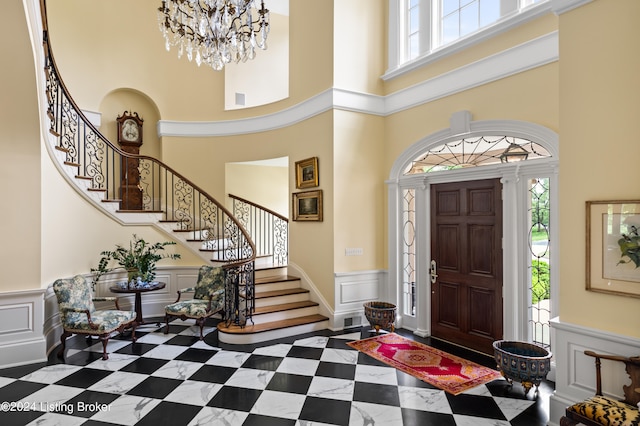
[(352, 289), (21, 332), (575, 372)]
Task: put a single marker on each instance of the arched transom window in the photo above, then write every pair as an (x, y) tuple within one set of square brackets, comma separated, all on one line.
[(474, 152)]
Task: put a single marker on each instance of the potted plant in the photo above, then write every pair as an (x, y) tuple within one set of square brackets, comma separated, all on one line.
[(139, 260)]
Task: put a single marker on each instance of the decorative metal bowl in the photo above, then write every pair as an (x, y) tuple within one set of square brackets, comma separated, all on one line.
[(523, 362), (381, 315)]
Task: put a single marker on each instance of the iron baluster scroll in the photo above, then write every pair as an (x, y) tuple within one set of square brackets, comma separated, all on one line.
[(183, 205)]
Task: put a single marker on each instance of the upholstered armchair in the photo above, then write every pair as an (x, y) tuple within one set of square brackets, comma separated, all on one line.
[(79, 315), (208, 298)]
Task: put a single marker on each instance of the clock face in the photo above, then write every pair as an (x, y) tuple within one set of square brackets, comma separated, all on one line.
[(130, 131)]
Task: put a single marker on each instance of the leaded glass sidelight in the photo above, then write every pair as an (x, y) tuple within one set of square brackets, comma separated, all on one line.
[(409, 252), (539, 248)]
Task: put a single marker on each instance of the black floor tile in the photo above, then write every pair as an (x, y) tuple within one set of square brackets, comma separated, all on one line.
[(144, 365), (170, 413), (89, 403), (474, 405), (256, 420), (291, 383), (262, 362), (213, 374), (183, 340), (19, 417), (83, 378), (136, 349), (420, 418), (155, 387), (233, 398), (196, 355), (18, 390), (376, 394), (336, 370), (328, 411), (305, 352)]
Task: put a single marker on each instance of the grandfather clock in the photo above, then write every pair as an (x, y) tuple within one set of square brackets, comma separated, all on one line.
[(130, 140)]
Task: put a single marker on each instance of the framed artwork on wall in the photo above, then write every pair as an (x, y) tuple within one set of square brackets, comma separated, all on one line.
[(307, 173), (307, 206), (613, 247)]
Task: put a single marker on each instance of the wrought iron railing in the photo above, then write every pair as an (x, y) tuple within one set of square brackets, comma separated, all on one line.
[(268, 230), (142, 183)]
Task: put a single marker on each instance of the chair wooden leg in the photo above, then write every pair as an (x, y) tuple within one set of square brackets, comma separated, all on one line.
[(63, 338), (565, 421), (166, 324), (200, 322), (105, 341)]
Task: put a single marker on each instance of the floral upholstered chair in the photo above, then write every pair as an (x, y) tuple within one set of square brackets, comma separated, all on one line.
[(79, 315), (208, 298)]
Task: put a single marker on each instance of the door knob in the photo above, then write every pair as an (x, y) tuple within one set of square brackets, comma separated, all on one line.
[(433, 272)]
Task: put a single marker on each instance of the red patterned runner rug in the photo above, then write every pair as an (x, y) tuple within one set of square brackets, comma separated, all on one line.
[(438, 368)]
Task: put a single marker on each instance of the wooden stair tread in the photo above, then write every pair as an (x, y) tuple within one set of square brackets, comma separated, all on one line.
[(139, 211), (276, 293), (284, 307), (269, 326), (275, 279)]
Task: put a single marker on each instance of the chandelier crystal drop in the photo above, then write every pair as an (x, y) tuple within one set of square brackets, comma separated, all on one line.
[(214, 32)]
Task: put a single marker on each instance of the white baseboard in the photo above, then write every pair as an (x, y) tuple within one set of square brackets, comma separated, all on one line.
[(21, 337), (575, 372)]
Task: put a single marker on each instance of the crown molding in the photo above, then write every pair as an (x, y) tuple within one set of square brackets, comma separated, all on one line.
[(534, 53), (562, 6)]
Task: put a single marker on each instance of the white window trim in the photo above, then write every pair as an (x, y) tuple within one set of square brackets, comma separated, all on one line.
[(397, 69)]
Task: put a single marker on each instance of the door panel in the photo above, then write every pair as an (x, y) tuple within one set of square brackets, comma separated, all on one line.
[(466, 235)]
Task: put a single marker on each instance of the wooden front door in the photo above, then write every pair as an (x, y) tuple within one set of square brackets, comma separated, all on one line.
[(466, 249)]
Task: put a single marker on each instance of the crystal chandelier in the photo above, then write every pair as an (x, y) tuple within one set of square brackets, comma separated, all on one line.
[(214, 32)]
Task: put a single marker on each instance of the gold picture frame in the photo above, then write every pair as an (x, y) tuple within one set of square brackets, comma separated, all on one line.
[(608, 268), (307, 173), (307, 206)]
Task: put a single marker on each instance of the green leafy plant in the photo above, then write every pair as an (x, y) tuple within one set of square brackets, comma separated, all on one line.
[(540, 285), (139, 259), (630, 247)]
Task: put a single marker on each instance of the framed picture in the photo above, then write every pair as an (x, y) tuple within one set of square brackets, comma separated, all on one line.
[(307, 205), (307, 173), (613, 247)]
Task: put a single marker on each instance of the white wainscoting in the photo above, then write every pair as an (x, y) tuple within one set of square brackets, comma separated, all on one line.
[(352, 290), (21, 335), (575, 372)]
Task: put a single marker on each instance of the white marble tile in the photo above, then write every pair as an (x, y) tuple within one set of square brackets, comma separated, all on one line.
[(250, 378), (326, 387), (51, 373), (56, 419), (376, 374), (350, 336), (194, 330), (119, 382), (311, 423), (194, 392), (303, 367), (478, 421), (228, 359), (114, 363), (363, 413), (212, 416), (176, 369), (343, 356), (126, 410), (112, 346), (4, 381), (481, 390), (165, 351), (200, 344), (312, 342), (512, 407), (155, 338), (274, 350), (279, 404), (53, 398), (424, 399)]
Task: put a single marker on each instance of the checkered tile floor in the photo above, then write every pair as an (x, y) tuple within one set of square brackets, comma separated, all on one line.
[(312, 379)]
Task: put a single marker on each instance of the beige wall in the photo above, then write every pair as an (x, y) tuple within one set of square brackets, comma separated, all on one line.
[(599, 105), (267, 186), (20, 186)]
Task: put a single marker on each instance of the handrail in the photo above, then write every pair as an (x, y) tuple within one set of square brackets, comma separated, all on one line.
[(143, 183), (268, 229)]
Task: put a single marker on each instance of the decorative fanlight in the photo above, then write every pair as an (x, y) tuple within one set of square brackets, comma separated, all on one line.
[(513, 153)]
